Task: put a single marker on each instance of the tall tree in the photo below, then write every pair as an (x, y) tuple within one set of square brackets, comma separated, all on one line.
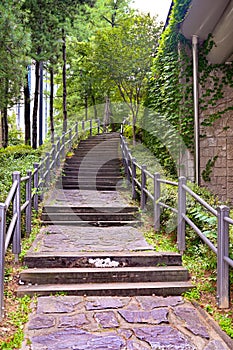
[(124, 56), (14, 43)]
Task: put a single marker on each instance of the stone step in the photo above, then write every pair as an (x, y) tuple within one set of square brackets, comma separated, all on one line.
[(93, 187), (103, 223), (104, 275), (65, 209), (108, 289), (92, 179), (72, 171), (93, 161), (94, 183), (104, 216), (81, 259), (99, 143), (92, 169), (88, 179)]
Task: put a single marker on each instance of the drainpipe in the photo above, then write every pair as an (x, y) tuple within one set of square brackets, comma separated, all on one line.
[(41, 106), (196, 108)]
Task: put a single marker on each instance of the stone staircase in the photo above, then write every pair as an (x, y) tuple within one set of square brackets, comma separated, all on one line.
[(95, 168), (95, 165)]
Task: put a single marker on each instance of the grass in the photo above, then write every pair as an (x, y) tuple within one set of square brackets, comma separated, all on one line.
[(17, 309)]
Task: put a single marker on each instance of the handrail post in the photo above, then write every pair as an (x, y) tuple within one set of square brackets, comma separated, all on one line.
[(62, 146), (223, 297), (70, 139), (157, 194), (2, 255), (98, 127), (16, 246), (143, 186), (134, 174), (54, 156), (47, 164), (35, 185), (58, 151), (122, 129), (123, 153), (127, 161), (181, 213), (29, 206), (42, 179), (90, 127), (76, 130), (83, 125)]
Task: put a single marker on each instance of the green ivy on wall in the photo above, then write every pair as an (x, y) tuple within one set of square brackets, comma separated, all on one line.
[(170, 90), (213, 78), (170, 87)]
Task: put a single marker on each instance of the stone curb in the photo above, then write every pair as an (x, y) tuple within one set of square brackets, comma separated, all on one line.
[(214, 325)]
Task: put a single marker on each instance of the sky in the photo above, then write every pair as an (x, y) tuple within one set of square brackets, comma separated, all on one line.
[(159, 7)]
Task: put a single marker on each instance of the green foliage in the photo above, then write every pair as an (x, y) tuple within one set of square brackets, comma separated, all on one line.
[(226, 323), (114, 62), (169, 91), (12, 158), (14, 45), (214, 78), (208, 169), (18, 318)]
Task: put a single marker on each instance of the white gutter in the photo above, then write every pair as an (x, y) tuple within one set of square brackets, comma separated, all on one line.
[(196, 107)]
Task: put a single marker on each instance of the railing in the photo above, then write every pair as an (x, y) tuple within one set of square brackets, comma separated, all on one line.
[(221, 213), (36, 182)]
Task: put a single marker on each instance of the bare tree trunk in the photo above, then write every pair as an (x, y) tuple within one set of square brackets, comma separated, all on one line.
[(1, 129), (94, 106), (4, 128), (35, 107), (134, 128), (51, 104), (107, 112), (4, 118), (27, 121), (86, 107), (64, 82)]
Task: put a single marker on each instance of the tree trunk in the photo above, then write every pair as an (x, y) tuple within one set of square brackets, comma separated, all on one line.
[(107, 113), (4, 118), (86, 107), (1, 129), (35, 107), (94, 106), (4, 128), (64, 82), (51, 104), (134, 128), (27, 121)]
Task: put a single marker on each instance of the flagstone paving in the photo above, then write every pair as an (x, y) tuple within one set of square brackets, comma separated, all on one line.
[(132, 323)]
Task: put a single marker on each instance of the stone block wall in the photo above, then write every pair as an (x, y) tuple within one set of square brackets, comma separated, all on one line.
[(217, 141)]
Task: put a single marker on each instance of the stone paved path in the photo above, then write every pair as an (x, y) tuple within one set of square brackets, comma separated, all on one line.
[(132, 323), (116, 323)]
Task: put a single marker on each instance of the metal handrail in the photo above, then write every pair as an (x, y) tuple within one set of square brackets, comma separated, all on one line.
[(35, 184), (221, 213)]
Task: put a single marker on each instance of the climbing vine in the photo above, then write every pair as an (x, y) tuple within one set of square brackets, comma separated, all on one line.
[(214, 78), (170, 88)]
